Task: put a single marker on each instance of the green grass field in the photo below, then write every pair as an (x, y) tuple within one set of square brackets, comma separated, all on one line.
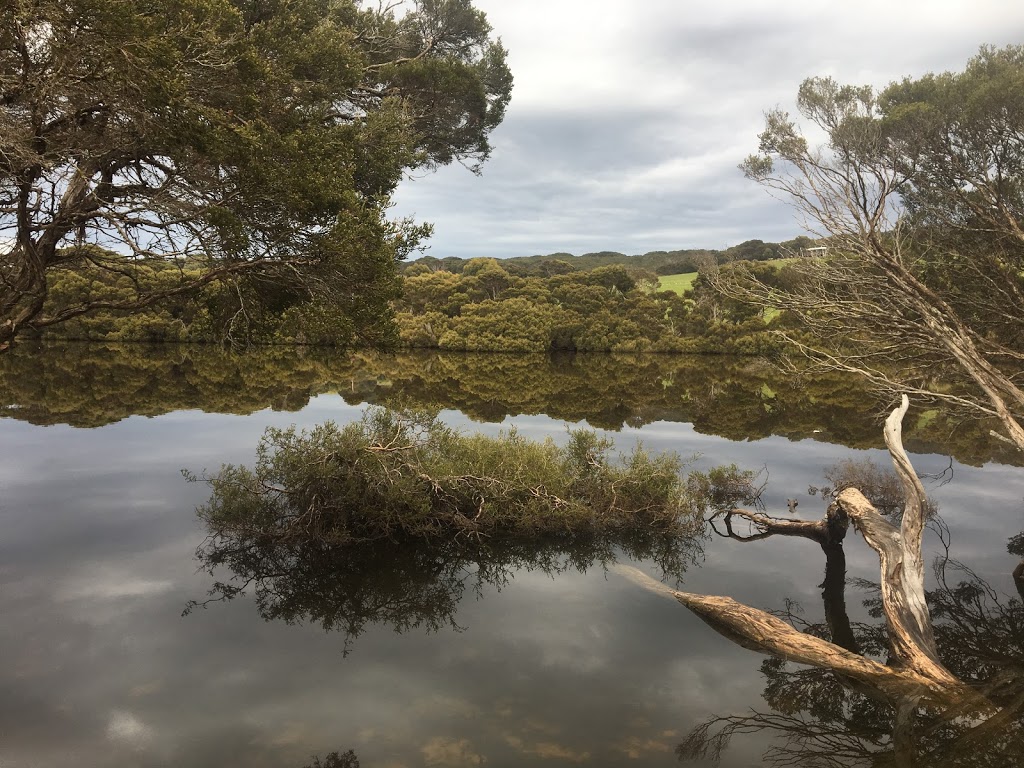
[(677, 283), (684, 281)]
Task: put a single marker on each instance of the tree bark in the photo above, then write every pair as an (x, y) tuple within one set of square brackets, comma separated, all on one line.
[(915, 673), (760, 631), (829, 531)]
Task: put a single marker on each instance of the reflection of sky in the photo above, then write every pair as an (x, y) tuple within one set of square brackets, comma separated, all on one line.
[(101, 670)]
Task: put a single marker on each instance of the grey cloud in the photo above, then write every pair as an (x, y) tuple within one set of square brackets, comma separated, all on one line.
[(629, 141)]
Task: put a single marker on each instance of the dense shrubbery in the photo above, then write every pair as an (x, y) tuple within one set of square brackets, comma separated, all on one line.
[(484, 307), (390, 521), (249, 310), (404, 476), (607, 309), (660, 262)]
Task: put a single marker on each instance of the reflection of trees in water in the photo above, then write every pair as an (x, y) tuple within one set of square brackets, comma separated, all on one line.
[(336, 760), (89, 385), (405, 586), (822, 717)]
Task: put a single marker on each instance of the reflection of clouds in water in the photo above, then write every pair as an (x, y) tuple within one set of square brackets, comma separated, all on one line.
[(565, 622), (636, 747), (127, 728), (287, 734), (103, 582), (450, 706), (547, 750), (451, 753), (548, 669)]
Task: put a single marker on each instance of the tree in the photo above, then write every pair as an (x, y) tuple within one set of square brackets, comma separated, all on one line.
[(919, 682), (250, 141), (826, 719), (918, 193)]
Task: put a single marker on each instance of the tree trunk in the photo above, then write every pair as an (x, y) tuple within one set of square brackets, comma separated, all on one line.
[(915, 673)]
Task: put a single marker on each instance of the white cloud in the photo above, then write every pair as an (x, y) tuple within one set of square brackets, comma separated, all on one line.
[(628, 119), (127, 728)]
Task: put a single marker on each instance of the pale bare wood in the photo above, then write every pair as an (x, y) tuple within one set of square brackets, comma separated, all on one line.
[(915, 673), (905, 611), (760, 631)]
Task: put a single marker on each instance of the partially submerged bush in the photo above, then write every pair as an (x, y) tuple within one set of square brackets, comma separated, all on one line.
[(389, 520), (404, 476)]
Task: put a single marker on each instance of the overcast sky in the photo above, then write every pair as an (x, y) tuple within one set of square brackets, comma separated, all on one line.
[(628, 117)]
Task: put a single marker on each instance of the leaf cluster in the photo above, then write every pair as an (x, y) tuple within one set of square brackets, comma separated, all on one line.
[(405, 476), (244, 138)]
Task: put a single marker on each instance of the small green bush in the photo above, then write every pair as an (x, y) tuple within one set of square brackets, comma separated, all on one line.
[(404, 476)]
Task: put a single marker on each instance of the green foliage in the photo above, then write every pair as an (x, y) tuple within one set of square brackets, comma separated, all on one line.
[(608, 309), (250, 143), (403, 475)]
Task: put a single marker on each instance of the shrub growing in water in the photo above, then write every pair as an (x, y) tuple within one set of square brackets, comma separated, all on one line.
[(405, 476)]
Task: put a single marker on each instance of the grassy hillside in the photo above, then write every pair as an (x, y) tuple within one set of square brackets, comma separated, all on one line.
[(684, 281), (677, 283)]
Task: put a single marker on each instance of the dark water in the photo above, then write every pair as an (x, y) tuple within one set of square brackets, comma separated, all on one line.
[(528, 661)]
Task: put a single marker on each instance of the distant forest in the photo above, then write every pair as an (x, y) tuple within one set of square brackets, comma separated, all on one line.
[(597, 302), (659, 262)]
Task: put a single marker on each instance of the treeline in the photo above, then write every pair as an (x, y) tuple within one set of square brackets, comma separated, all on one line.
[(247, 309), (90, 385), (485, 307), (659, 262)]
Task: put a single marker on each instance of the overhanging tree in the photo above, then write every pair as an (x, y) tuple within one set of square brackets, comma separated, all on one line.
[(249, 141), (917, 190)]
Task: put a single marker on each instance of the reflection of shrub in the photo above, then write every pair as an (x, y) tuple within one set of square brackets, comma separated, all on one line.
[(334, 760), (397, 475), (1016, 545), (879, 485)]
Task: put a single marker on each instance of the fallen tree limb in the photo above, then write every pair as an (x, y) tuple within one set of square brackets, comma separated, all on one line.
[(915, 674), (760, 631), (830, 530)]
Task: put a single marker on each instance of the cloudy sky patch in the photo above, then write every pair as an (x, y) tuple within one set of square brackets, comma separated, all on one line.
[(628, 120)]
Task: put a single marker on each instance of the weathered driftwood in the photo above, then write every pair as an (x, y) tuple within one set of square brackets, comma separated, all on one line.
[(915, 674), (760, 631), (900, 556)]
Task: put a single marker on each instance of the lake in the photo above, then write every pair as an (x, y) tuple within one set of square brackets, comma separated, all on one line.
[(550, 658)]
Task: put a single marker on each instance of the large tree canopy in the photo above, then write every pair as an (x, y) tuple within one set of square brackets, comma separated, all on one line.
[(919, 192), (252, 141)]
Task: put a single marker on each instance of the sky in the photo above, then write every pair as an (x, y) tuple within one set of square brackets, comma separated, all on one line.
[(628, 118)]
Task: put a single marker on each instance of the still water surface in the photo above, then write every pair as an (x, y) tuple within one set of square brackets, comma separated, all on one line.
[(553, 666)]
